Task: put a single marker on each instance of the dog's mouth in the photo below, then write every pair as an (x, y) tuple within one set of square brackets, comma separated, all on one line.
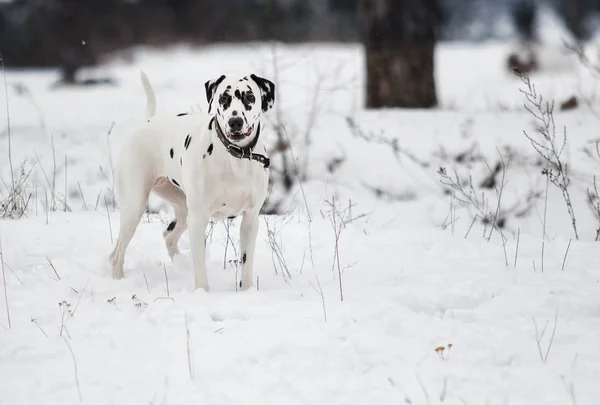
[(240, 135)]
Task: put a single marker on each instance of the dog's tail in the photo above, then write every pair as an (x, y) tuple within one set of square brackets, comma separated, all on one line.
[(150, 97)]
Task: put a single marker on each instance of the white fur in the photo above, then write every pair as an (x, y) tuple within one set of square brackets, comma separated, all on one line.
[(211, 185)]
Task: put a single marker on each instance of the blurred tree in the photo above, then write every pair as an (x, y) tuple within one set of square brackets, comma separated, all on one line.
[(524, 60), (343, 5), (524, 14), (399, 37), (573, 12)]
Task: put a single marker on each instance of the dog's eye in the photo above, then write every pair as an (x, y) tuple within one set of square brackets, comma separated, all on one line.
[(222, 99), (249, 98)]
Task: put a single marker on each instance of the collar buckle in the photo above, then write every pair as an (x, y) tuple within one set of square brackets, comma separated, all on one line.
[(238, 151)]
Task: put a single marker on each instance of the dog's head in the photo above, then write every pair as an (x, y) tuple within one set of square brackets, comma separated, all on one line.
[(237, 104)]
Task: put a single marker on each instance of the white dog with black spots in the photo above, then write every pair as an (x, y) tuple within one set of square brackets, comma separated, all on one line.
[(206, 165)]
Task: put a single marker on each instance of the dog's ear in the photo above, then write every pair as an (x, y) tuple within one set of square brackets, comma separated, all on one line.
[(267, 90), (211, 87)]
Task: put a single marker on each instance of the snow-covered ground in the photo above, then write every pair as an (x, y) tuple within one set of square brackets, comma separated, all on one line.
[(412, 282)]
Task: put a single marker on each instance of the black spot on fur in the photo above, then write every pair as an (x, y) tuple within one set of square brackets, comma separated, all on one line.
[(230, 218), (204, 156), (182, 114), (225, 100), (247, 98), (180, 161), (210, 149), (171, 153), (244, 258), (188, 139), (175, 182), (171, 226), (210, 87), (267, 89), (210, 124)]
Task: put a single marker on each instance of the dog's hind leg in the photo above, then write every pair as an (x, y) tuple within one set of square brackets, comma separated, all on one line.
[(132, 195), (164, 189)]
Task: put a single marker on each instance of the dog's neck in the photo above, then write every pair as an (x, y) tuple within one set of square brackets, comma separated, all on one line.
[(240, 152)]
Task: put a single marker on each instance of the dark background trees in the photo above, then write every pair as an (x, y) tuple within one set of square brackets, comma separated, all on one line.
[(399, 37), (74, 33)]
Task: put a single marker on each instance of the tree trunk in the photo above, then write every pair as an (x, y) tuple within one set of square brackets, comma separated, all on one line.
[(573, 14), (399, 37)]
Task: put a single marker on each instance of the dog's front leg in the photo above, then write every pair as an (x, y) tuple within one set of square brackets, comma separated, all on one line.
[(248, 232), (197, 222)]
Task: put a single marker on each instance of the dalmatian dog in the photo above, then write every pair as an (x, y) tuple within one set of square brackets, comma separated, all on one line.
[(206, 165)]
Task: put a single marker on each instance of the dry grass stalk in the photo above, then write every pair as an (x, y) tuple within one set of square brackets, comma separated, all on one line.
[(539, 336), (5, 289), (548, 145)]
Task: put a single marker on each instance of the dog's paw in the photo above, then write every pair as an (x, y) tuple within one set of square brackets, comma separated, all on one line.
[(172, 246), (173, 251), (117, 273)]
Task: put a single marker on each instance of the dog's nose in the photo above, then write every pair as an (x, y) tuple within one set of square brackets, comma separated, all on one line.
[(236, 124)]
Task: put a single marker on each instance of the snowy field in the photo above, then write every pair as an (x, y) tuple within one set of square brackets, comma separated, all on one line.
[(418, 273)]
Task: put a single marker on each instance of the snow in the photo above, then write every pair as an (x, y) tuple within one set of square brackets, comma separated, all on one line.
[(409, 286)]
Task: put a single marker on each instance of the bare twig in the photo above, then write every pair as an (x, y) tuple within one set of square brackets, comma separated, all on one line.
[(320, 292), (577, 49), (53, 268), (517, 249), (228, 239), (166, 280), (34, 321), (80, 297), (98, 200), (66, 182), (566, 253), (594, 200), (498, 192), (392, 143), (146, 281), (74, 369), (12, 176), (82, 197), (110, 160), (12, 272), (544, 229), (189, 347), (65, 314), (303, 196), (471, 226), (570, 390), (53, 174), (4, 283), (277, 256), (466, 194), (540, 335), (337, 224), (547, 145), (109, 223), (15, 204)]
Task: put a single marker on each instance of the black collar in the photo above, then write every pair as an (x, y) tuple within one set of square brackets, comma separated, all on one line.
[(238, 152)]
